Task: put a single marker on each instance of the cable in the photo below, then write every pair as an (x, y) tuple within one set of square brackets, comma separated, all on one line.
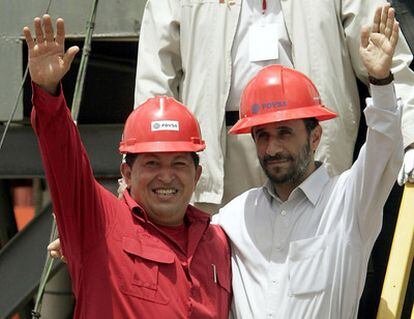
[(6, 129), (77, 96)]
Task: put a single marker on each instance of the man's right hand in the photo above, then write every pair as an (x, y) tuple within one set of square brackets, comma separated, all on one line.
[(48, 62)]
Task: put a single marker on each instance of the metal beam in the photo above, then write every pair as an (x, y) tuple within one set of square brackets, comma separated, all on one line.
[(400, 261), (20, 156), (21, 263)]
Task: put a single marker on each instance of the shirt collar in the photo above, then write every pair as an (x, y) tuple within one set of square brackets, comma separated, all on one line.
[(311, 187)]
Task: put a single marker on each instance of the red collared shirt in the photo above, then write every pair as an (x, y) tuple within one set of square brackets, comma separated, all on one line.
[(121, 264)]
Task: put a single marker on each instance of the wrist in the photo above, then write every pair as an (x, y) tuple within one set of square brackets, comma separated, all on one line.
[(382, 80), (51, 89)]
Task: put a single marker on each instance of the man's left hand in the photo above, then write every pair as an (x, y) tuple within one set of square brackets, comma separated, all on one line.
[(407, 170), (378, 42)]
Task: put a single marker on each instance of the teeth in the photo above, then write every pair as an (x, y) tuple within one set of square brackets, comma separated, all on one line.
[(165, 191)]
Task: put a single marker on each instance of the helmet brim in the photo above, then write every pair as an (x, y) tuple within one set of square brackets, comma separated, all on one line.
[(245, 125), (161, 147)]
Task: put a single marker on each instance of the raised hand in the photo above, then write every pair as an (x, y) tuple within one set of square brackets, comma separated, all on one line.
[(378, 42), (48, 61)]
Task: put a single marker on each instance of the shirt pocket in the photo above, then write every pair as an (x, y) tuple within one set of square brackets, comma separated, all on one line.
[(147, 260), (308, 266), (222, 276)]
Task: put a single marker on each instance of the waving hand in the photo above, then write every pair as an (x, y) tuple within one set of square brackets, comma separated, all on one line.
[(48, 61)]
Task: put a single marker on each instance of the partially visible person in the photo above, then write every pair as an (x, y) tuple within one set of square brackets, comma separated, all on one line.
[(301, 243), (203, 53), (150, 254)]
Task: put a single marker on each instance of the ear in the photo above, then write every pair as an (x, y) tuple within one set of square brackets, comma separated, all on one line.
[(199, 170), (126, 173), (315, 137)]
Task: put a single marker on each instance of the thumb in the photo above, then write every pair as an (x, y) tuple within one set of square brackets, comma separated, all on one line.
[(365, 31), (70, 55), (402, 177)]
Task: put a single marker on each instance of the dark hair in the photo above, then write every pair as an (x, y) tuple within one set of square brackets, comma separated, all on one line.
[(131, 157), (310, 124)]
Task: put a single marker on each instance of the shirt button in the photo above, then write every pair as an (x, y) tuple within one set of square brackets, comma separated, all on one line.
[(283, 213), (274, 282), (270, 315)]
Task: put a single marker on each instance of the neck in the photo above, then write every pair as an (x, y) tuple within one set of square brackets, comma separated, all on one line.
[(284, 190)]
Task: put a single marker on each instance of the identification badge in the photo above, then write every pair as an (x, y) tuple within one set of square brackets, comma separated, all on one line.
[(263, 42)]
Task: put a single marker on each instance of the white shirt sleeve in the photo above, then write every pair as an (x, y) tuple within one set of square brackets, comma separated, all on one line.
[(371, 177)]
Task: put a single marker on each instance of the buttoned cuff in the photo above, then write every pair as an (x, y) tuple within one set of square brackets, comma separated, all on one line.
[(384, 97)]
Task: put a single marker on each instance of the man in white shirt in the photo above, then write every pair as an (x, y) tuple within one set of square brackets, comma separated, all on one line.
[(301, 243), (203, 52)]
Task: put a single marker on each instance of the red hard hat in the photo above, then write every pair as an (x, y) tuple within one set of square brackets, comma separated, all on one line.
[(161, 124), (278, 94)]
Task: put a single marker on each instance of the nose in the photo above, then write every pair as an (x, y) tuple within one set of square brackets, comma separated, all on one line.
[(273, 146), (166, 175)]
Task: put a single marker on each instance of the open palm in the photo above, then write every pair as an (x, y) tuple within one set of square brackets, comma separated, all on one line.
[(48, 62), (378, 43)]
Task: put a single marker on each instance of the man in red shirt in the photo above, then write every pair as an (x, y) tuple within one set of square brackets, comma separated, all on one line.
[(150, 254)]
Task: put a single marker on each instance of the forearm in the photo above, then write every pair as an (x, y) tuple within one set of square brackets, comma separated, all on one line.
[(375, 171), (69, 175)]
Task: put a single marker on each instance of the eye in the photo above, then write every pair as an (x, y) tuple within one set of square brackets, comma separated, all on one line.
[(284, 132), (151, 164), (262, 135), (180, 164)]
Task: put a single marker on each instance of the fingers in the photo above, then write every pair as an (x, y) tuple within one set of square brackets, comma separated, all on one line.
[(377, 20), (395, 34), (365, 32), (28, 37), (43, 29), (60, 31), (54, 249), (37, 23), (389, 23), (70, 55), (48, 28), (54, 245), (384, 17)]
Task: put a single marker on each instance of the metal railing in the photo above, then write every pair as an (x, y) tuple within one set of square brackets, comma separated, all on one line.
[(400, 260)]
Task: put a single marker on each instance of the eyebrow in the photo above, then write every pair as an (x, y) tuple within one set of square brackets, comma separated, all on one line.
[(285, 128), (279, 128)]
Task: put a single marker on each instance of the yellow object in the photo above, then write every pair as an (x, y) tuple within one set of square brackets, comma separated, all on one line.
[(400, 261)]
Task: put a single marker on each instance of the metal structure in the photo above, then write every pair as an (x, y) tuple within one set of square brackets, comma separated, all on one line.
[(401, 260), (120, 20), (118, 23)]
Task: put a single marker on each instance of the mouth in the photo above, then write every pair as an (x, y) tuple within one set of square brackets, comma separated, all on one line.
[(165, 192), (277, 162)]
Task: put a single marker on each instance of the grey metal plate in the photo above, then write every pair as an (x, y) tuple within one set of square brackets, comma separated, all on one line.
[(20, 157)]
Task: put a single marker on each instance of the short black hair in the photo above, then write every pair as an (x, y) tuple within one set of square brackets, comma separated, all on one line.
[(131, 157), (310, 124)]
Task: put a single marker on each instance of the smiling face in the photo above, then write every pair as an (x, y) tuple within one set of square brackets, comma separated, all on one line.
[(285, 150), (162, 183)]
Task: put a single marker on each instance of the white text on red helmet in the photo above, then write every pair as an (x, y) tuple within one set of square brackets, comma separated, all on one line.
[(165, 126)]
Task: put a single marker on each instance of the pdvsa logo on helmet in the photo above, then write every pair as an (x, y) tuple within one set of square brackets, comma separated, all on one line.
[(266, 106), (165, 126)]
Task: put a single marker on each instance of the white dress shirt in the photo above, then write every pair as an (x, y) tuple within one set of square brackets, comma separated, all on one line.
[(307, 257)]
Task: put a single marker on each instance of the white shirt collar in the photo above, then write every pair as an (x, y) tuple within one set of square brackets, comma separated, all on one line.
[(310, 187)]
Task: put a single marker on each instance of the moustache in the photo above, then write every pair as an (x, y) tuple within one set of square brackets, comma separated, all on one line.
[(277, 157)]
